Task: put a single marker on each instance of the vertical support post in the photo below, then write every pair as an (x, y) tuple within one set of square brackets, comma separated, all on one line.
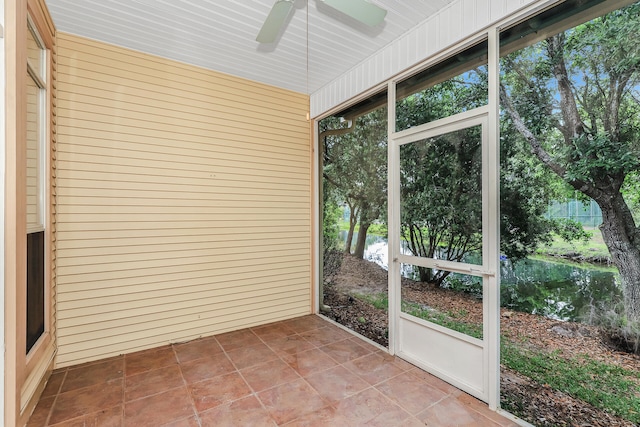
[(393, 221), (492, 312), (316, 205)]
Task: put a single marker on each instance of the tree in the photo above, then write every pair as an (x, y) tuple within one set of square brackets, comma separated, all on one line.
[(574, 99), (441, 198), (441, 210), (355, 166)]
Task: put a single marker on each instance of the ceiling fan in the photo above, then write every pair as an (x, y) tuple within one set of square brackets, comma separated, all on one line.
[(360, 10)]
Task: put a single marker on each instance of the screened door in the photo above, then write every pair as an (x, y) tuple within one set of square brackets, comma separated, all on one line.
[(443, 248)]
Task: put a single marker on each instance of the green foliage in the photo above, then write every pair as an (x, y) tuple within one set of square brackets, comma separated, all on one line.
[(525, 190), (605, 386), (570, 230), (379, 228), (441, 202), (595, 158), (355, 165), (456, 95), (574, 98), (331, 216), (631, 193), (621, 331), (464, 283)]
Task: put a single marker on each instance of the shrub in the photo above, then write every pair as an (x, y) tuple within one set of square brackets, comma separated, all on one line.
[(621, 332)]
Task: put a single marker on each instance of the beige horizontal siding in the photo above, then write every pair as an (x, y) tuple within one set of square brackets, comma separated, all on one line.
[(183, 202)]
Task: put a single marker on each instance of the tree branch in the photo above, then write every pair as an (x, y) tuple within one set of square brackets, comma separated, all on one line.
[(540, 152), (536, 147), (573, 126)]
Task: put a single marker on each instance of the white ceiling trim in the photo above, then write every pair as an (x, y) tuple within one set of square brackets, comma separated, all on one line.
[(451, 24)]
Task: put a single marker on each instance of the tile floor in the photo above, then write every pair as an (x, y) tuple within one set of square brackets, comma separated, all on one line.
[(299, 372)]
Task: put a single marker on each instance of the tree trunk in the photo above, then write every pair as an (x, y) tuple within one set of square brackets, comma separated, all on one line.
[(426, 274), (623, 241), (362, 239), (352, 225)]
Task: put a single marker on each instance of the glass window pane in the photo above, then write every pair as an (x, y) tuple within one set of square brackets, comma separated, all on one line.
[(441, 198), (354, 207), (33, 159), (35, 54), (452, 86), (456, 304)]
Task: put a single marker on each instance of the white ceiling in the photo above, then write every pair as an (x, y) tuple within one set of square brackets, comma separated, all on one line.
[(220, 34)]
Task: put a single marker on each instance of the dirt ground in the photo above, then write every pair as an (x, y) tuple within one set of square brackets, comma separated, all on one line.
[(542, 405)]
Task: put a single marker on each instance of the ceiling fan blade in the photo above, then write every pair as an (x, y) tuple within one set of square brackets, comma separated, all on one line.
[(274, 22), (361, 10)]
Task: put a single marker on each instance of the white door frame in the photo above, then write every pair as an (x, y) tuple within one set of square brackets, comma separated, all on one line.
[(455, 368)]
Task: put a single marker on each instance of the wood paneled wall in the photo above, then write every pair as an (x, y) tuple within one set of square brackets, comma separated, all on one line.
[(183, 202)]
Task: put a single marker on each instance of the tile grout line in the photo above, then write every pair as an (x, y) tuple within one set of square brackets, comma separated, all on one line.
[(186, 386), (315, 347), (253, 392), (55, 398)]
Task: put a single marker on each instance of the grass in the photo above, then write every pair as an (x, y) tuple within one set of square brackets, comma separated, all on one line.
[(377, 229), (607, 387), (379, 301), (448, 319), (561, 261), (594, 247)]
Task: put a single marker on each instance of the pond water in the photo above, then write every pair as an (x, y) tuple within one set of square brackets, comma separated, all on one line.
[(559, 290)]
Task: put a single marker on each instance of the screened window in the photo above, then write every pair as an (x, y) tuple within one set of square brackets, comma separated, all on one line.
[(35, 184)]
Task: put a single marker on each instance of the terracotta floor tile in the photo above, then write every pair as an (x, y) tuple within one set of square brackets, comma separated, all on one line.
[(306, 323), (372, 348), (243, 412), (197, 349), (371, 407), (152, 382), (219, 390), (41, 412), (238, 339), (263, 376), (158, 409), (250, 356), (480, 407), (436, 382), (147, 360), (411, 393), (400, 363), (111, 417), (209, 367), (452, 412), (410, 422), (336, 383), (53, 384), (92, 374), (325, 417), (290, 345), (310, 361), (345, 350), (324, 336), (374, 368), (269, 374), (184, 422), (292, 400), (273, 331), (85, 401)]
